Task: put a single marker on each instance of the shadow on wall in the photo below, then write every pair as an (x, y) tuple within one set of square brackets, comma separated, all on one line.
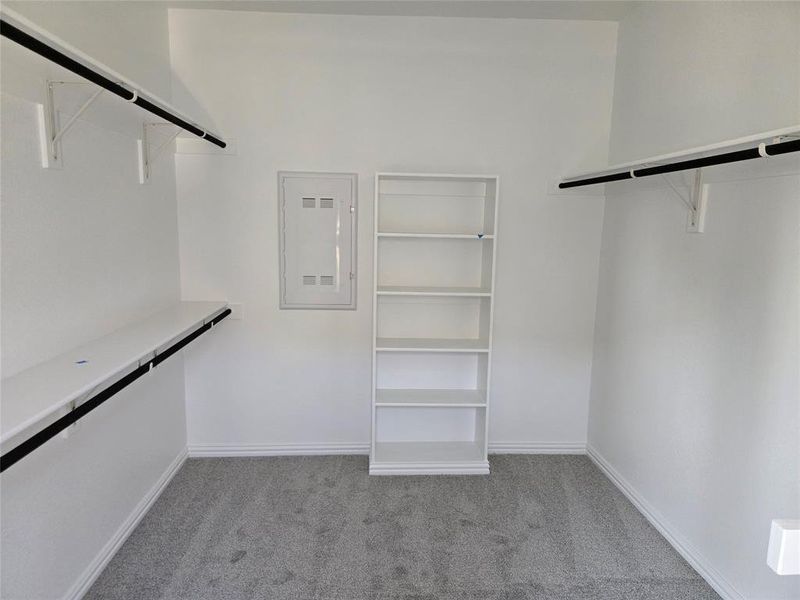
[(185, 100)]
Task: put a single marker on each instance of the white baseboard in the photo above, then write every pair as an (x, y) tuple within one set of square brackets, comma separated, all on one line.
[(88, 577), (477, 468), (537, 448), (312, 449), (220, 450), (698, 562)]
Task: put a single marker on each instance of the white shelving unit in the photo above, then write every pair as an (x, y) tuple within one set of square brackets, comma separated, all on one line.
[(434, 260)]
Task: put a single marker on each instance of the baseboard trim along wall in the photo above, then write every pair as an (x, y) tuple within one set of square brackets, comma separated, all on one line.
[(220, 450), (311, 449), (537, 447), (698, 562), (92, 572)]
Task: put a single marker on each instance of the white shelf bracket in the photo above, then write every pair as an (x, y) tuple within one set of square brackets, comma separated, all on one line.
[(50, 135), (71, 407), (148, 155), (697, 203), (68, 431)]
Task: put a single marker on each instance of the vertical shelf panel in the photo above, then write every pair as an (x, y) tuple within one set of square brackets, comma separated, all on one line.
[(435, 238)]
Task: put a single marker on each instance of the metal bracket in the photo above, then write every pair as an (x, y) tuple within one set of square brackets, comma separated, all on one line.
[(697, 203), (69, 408), (148, 156), (49, 133), (147, 358)]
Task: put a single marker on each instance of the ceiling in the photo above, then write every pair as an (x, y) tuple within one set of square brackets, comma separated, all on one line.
[(591, 10)]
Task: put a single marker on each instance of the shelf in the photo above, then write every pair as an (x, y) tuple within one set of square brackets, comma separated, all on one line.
[(410, 458), (51, 68), (438, 206), (430, 398), (422, 452), (434, 262), (430, 345), (696, 152), (433, 322), (434, 195), (427, 177), (445, 236), (403, 290), (41, 391)]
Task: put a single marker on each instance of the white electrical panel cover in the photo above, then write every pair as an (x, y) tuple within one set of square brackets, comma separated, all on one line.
[(317, 225)]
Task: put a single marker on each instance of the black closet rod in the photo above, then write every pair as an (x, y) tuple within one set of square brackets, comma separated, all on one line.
[(31, 43), (32, 443), (761, 151)]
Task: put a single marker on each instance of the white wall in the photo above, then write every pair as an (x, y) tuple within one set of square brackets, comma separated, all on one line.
[(695, 381), (85, 250), (367, 94)]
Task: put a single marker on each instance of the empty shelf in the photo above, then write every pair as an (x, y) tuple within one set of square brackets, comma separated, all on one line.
[(42, 390), (430, 345), (402, 290), (434, 195), (451, 236), (410, 458), (430, 398)]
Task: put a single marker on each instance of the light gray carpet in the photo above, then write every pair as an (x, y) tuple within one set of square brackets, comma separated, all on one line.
[(320, 528)]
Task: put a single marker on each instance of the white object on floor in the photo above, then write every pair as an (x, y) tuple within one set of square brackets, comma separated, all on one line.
[(783, 555)]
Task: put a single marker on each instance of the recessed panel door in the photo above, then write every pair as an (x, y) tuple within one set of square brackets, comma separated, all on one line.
[(317, 233)]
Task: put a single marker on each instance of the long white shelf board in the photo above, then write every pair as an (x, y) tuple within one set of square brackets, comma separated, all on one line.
[(441, 236), (40, 391), (47, 37), (433, 195), (431, 176), (428, 452), (430, 398), (430, 345), (401, 290), (697, 151)]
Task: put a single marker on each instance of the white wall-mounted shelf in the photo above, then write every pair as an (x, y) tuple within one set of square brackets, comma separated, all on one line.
[(755, 148), (66, 83), (689, 153), (433, 304), (43, 391)]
